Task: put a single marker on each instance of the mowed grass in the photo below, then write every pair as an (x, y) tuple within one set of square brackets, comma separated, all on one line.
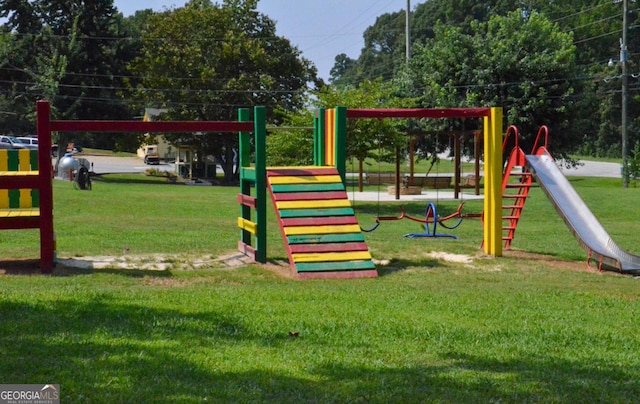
[(509, 329)]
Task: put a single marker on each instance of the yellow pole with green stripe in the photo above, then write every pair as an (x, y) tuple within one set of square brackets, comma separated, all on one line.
[(23, 161), (493, 183)]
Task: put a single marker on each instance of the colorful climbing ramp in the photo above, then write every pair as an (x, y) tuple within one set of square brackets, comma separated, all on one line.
[(318, 224)]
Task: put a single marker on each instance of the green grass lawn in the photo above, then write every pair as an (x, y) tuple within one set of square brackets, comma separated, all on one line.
[(518, 328)]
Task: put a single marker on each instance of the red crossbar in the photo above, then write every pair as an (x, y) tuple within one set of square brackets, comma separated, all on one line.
[(143, 127), (419, 113), (18, 182)]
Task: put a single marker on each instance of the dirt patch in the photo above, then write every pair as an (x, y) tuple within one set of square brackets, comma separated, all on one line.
[(165, 262), (550, 261), (156, 262), (150, 262), (448, 257)]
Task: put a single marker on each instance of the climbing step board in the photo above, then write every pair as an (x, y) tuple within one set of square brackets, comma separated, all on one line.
[(318, 225)]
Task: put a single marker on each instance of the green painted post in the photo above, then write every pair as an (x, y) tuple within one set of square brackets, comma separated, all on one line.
[(341, 141), (319, 137), (260, 134), (244, 153)]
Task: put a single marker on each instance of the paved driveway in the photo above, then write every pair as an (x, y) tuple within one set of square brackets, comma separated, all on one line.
[(594, 169), (110, 164)]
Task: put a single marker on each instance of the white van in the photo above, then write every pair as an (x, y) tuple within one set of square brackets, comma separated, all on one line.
[(33, 141)]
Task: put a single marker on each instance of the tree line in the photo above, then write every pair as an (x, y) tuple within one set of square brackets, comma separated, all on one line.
[(544, 62)]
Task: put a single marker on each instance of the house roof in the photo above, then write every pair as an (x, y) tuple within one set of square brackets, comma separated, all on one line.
[(150, 113)]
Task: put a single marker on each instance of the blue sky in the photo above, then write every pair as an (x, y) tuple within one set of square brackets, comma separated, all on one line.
[(321, 29)]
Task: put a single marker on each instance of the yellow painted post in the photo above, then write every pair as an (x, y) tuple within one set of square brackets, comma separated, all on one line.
[(24, 164), (330, 137), (493, 183)]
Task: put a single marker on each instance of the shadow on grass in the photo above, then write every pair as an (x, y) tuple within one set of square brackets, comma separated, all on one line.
[(31, 267), (399, 265), (130, 273), (101, 349), (131, 179)]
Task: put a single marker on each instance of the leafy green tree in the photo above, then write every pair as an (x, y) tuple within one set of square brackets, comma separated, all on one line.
[(342, 69), (69, 51), (369, 138), (292, 144), (595, 25), (513, 62), (203, 61)]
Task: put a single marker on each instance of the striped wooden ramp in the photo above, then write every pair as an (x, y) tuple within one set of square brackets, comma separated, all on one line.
[(320, 230)]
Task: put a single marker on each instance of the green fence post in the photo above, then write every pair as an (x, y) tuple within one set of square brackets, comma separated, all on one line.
[(260, 133), (341, 141), (244, 154), (319, 137)]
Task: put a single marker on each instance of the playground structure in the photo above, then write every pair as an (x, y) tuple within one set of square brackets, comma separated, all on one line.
[(520, 171), (516, 183), (317, 222), (331, 149), (45, 125), (316, 219), (585, 227), (315, 216), (432, 218), (26, 196)]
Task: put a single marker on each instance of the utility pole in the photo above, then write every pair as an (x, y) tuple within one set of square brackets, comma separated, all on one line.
[(625, 86), (407, 32)]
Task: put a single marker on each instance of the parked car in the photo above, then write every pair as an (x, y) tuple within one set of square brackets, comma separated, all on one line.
[(30, 141), (12, 142), (151, 155)]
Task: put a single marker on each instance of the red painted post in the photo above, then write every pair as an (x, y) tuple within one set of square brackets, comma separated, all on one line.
[(45, 173)]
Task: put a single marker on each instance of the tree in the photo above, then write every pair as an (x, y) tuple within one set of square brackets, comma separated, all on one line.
[(293, 144), (368, 137), (518, 62), (69, 51), (595, 25), (342, 68), (204, 61)]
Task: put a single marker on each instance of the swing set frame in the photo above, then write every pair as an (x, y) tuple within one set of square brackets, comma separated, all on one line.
[(331, 127)]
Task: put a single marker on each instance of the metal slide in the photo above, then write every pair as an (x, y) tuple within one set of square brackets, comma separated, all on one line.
[(580, 220)]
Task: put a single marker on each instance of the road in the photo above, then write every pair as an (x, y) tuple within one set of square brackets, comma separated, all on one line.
[(110, 164), (594, 169)]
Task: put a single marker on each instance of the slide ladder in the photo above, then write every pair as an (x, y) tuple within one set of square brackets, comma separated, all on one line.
[(516, 183), (318, 224)]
